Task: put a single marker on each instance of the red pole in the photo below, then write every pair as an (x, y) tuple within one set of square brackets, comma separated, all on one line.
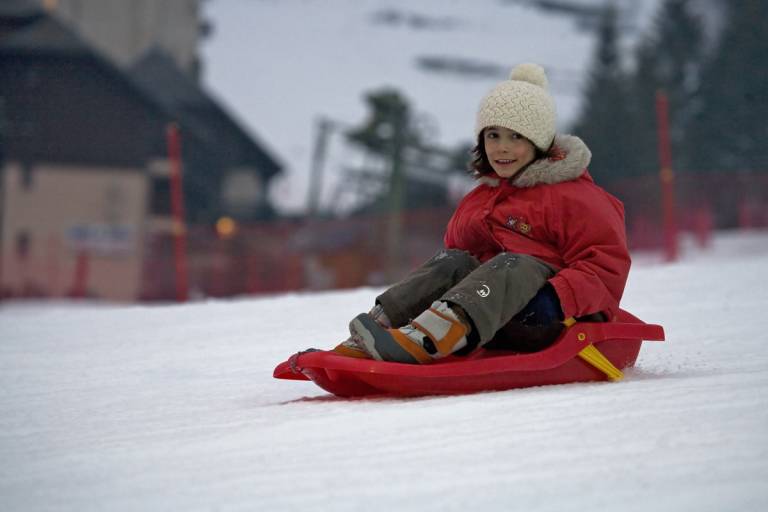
[(177, 210), (80, 280), (667, 177), (53, 265)]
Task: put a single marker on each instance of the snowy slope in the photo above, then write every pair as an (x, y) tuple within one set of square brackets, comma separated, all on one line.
[(280, 65), (174, 408)]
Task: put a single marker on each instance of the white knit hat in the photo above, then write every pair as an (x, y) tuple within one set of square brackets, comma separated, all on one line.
[(523, 104)]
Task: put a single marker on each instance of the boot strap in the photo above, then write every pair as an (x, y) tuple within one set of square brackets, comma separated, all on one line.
[(441, 325)]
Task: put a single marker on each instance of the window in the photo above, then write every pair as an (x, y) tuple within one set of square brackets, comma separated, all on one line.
[(160, 201)]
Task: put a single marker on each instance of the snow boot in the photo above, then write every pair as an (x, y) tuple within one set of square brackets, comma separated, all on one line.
[(437, 332), (352, 346)]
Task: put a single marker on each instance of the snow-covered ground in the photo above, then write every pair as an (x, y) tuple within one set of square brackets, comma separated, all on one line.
[(173, 407), (279, 66)]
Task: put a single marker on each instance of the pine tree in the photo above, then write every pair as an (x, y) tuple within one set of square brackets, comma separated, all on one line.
[(669, 59), (730, 128), (603, 120), (389, 121)]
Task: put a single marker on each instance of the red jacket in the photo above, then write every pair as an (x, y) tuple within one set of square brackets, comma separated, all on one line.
[(554, 212)]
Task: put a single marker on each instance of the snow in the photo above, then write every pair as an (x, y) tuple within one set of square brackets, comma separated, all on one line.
[(173, 407), (279, 66)]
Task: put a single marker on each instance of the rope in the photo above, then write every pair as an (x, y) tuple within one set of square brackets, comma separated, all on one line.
[(294, 359)]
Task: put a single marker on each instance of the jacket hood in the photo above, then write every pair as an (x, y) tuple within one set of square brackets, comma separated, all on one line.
[(566, 160)]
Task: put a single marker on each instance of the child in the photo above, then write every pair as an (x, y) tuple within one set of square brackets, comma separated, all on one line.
[(536, 242)]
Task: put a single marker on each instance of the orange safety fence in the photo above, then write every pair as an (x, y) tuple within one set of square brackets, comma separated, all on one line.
[(329, 253)]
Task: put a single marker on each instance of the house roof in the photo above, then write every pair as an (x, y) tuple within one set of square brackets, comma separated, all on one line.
[(155, 80), (40, 34), (159, 76), (15, 14), (19, 9)]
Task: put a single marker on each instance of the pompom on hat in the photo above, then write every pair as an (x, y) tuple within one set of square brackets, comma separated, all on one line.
[(522, 104)]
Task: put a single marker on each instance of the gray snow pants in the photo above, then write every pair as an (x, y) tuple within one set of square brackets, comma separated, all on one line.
[(490, 293)]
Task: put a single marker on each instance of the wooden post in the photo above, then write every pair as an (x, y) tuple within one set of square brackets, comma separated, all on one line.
[(177, 209), (667, 178)]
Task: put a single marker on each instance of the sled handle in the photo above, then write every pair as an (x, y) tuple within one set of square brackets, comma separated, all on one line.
[(604, 331), (601, 331)]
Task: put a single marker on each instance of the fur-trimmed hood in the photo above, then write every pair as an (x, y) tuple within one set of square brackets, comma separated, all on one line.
[(565, 161)]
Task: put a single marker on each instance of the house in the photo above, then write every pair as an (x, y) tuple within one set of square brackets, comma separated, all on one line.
[(126, 30), (84, 171), (233, 163)]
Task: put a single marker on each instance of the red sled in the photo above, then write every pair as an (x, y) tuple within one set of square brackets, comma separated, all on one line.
[(586, 351)]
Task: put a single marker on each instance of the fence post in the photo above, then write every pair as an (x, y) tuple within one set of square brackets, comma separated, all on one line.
[(52, 264), (177, 209), (667, 177), (80, 279)]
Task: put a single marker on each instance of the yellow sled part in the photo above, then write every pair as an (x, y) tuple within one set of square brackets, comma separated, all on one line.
[(593, 356)]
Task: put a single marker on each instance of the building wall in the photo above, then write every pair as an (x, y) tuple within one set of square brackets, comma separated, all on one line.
[(125, 29), (53, 214)]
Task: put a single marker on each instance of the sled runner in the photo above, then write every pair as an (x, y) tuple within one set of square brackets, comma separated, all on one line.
[(584, 352)]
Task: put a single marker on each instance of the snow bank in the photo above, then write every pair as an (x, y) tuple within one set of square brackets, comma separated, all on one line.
[(174, 408)]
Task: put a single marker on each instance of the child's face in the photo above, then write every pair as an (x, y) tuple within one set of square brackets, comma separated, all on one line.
[(507, 150)]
